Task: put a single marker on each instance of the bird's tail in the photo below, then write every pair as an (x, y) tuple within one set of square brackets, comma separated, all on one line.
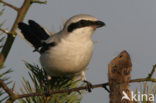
[(33, 33)]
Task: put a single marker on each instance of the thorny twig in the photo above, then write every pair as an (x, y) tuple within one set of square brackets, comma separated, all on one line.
[(38, 1), (9, 5), (21, 12), (14, 96), (152, 72), (4, 31)]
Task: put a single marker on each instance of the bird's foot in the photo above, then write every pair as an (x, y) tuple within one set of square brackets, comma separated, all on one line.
[(89, 86)]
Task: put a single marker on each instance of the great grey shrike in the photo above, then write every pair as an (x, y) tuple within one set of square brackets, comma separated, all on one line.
[(67, 52)]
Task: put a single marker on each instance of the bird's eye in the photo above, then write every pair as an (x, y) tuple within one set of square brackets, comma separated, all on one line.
[(79, 24)]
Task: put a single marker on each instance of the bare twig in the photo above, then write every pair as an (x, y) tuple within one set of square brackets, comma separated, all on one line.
[(61, 91), (143, 80), (152, 72), (79, 88), (4, 31), (9, 5), (10, 39), (38, 1), (15, 96)]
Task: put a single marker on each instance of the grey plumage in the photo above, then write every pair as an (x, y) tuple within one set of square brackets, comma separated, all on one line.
[(68, 51)]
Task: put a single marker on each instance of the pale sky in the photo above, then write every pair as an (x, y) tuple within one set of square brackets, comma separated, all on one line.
[(130, 25)]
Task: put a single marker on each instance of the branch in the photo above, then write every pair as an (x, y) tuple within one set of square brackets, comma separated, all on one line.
[(12, 95), (10, 39), (62, 91), (6, 89), (143, 80), (38, 1), (152, 72), (79, 88), (4, 31), (9, 5)]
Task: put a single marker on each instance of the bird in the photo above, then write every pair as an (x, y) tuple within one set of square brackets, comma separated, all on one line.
[(66, 52)]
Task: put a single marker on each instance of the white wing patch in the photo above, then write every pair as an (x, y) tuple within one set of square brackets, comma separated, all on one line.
[(46, 30)]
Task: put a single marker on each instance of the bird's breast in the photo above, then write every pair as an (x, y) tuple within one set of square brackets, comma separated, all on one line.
[(67, 57)]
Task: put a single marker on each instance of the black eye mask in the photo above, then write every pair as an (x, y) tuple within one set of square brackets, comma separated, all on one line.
[(84, 23)]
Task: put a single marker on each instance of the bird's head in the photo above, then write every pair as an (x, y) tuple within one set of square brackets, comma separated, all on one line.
[(82, 24)]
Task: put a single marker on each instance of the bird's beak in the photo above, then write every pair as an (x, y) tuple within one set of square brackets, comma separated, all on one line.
[(99, 24)]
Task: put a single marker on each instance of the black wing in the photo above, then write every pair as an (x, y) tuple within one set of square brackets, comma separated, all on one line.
[(33, 32)]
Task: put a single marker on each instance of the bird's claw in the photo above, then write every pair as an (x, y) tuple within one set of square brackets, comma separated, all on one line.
[(89, 86)]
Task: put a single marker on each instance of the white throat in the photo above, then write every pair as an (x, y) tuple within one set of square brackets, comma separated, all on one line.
[(81, 34)]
